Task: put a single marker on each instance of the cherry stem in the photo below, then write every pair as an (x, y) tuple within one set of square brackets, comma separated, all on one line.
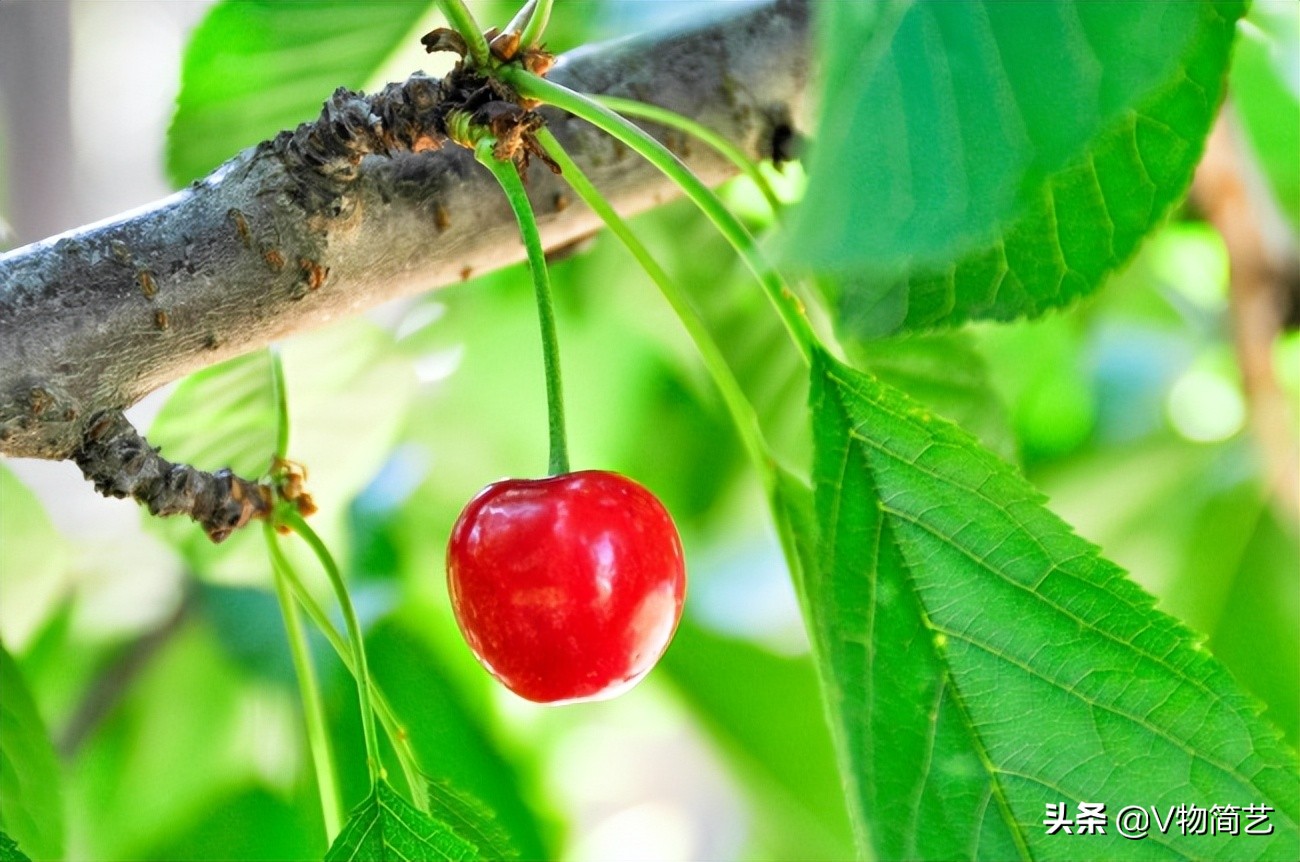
[(462, 21), (733, 395), (783, 299), (532, 33), (707, 136), (387, 717), (280, 393), (361, 671), (508, 176), (318, 739)]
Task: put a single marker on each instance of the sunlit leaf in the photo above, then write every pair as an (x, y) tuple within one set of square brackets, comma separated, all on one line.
[(31, 799), (348, 389), (450, 731), (982, 661), (35, 561), (255, 67), (385, 828), (1266, 98), (988, 159)]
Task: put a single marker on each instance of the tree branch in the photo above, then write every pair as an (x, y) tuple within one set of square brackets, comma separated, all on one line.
[(361, 206)]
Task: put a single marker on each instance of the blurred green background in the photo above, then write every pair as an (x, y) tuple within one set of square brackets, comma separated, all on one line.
[(159, 664)]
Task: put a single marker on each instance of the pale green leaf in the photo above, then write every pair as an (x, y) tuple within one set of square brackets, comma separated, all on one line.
[(349, 389), (255, 67), (983, 661), (992, 159), (35, 561), (386, 828), (765, 713), (31, 801), (1264, 92)]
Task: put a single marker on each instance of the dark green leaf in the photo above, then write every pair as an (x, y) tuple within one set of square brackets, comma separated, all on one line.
[(31, 802), (982, 660), (254, 68), (990, 159), (386, 828), (9, 851)]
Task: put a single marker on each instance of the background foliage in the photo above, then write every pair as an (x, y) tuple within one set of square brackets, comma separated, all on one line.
[(181, 738)]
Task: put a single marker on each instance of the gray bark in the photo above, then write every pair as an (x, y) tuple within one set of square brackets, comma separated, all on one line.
[(334, 218)]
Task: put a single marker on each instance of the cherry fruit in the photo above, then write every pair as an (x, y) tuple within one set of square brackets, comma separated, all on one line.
[(567, 588)]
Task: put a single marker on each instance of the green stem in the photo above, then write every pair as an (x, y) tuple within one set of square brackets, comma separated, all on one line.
[(513, 186), (742, 412), (361, 671), (281, 395), (532, 34), (387, 717), (462, 21), (318, 740), (672, 119), (782, 297)]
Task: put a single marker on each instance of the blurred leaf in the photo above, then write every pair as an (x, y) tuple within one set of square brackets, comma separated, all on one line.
[(471, 819), (31, 799), (1269, 110), (988, 159), (255, 67), (1262, 606), (1040, 371), (35, 561), (9, 851), (253, 823), (982, 660), (449, 727), (349, 390), (249, 626), (186, 733), (385, 828), (946, 372), (766, 713)]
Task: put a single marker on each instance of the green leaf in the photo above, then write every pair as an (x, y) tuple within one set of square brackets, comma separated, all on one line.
[(946, 372), (982, 661), (386, 828), (31, 801), (9, 851), (349, 391), (35, 561), (255, 67), (766, 714), (412, 659), (1269, 110), (990, 159), (471, 819)]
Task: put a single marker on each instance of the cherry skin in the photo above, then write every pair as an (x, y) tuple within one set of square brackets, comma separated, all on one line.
[(567, 588)]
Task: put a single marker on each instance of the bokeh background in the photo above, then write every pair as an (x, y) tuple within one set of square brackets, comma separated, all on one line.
[(159, 664)]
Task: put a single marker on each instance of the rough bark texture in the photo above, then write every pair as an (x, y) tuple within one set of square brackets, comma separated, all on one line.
[(301, 230)]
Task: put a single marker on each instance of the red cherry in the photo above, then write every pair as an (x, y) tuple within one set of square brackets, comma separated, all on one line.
[(567, 588)]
